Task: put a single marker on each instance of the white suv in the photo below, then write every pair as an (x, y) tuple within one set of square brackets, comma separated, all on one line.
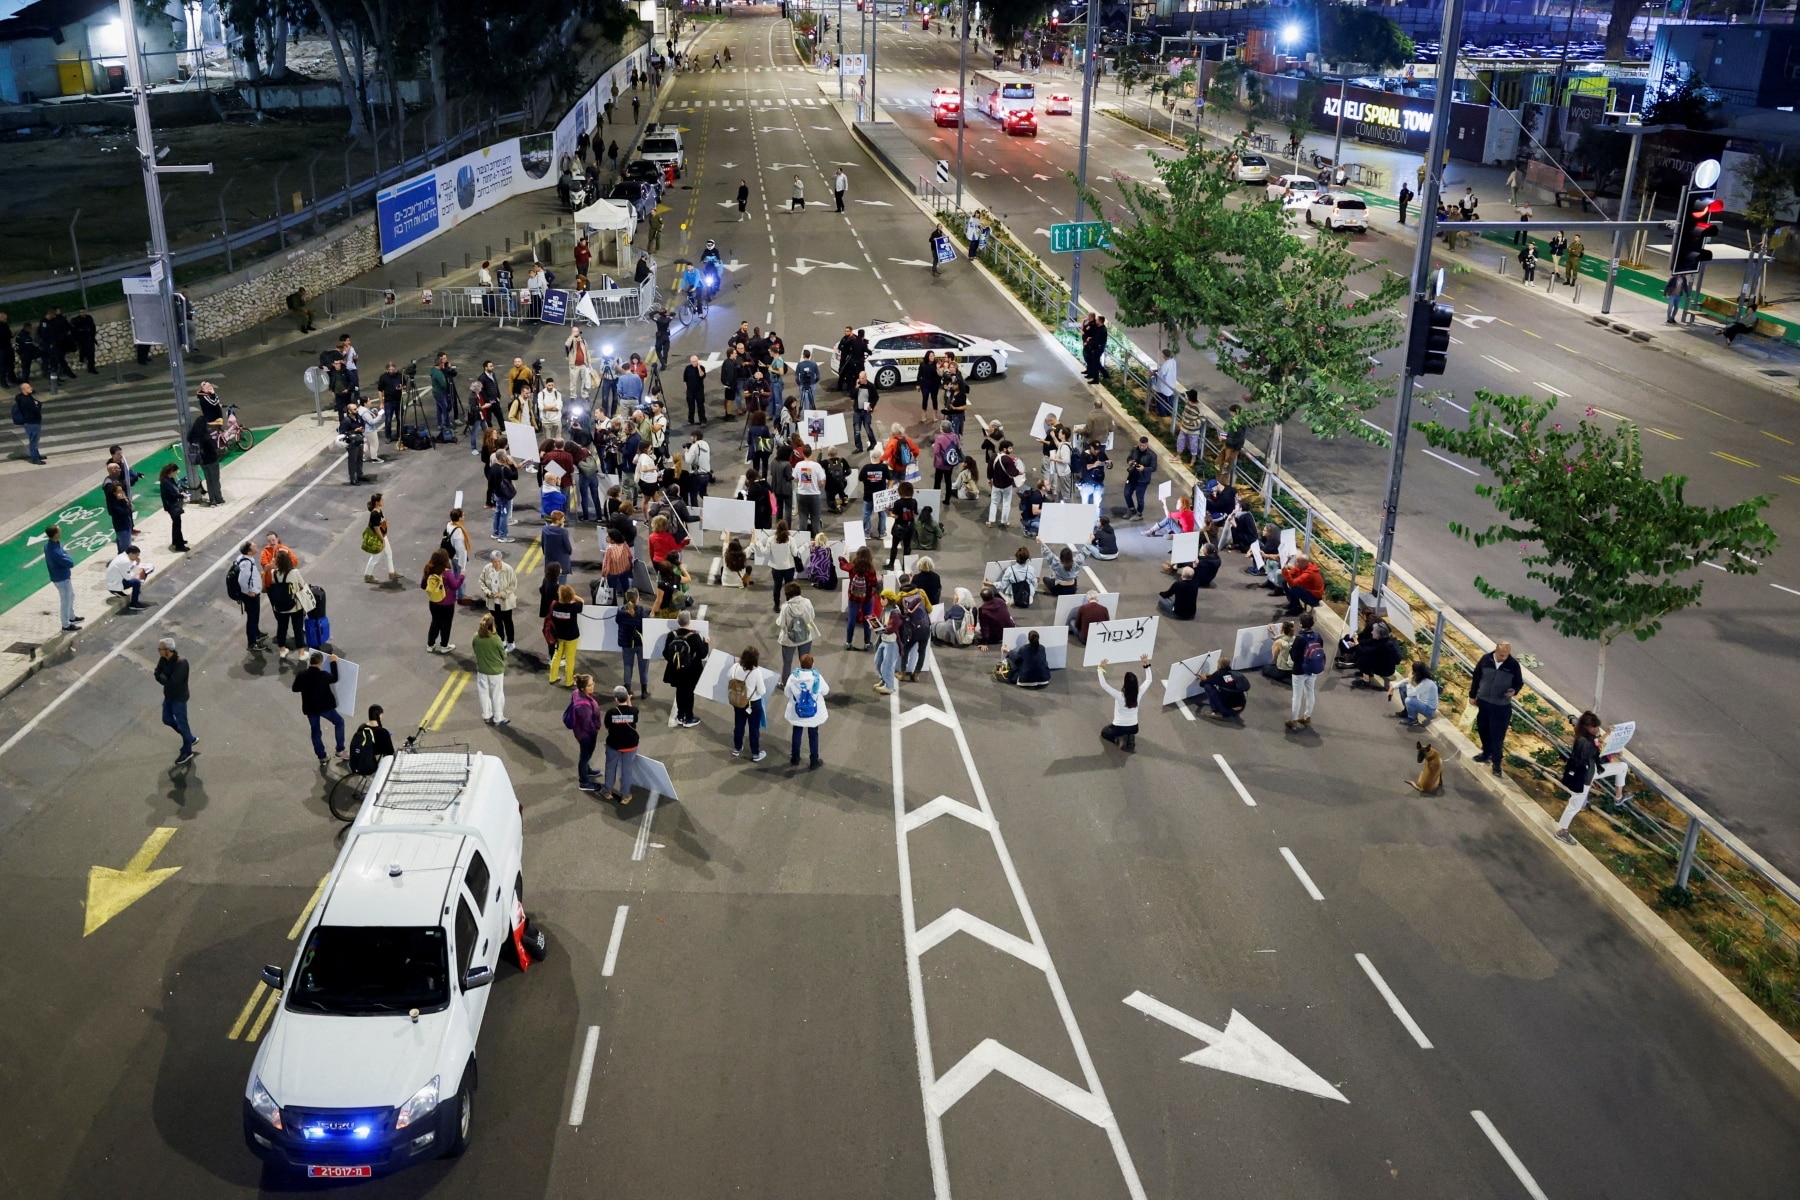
[(369, 1064), (662, 144)]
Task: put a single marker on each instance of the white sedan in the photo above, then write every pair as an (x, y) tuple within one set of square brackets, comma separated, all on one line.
[(896, 349), (1293, 185), (1338, 210), (1250, 168)]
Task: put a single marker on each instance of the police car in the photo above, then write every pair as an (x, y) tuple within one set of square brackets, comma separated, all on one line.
[(369, 1063), (896, 348)]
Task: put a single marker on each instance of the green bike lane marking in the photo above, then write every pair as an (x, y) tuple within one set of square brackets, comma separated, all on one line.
[(86, 529)]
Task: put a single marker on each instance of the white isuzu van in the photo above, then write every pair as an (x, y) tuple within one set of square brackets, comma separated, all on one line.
[(369, 1064)]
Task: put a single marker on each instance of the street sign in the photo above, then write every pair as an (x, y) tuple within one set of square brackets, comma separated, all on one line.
[(556, 307), (1080, 235), (943, 170), (853, 64)]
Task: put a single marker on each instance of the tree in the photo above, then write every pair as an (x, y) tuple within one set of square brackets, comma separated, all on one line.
[(1680, 100), (1602, 152), (1303, 345), (1771, 184), (1616, 551), (1355, 34), (1618, 28), (1306, 101)]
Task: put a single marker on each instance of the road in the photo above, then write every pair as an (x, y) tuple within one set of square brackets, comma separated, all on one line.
[(969, 956), (1709, 717)]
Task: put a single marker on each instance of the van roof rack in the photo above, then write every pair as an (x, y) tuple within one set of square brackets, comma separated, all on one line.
[(425, 781)]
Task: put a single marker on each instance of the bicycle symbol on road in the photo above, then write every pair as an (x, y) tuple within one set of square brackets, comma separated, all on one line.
[(74, 513)]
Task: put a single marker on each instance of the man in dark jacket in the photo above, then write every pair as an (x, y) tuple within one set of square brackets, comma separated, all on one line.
[(1140, 465), (172, 673), (1083, 618), (28, 411), (392, 387), (203, 452), (1498, 678), (1179, 599), (87, 336), (621, 725), (685, 653), (7, 376), (694, 377), (319, 703), (1226, 692), (57, 339)]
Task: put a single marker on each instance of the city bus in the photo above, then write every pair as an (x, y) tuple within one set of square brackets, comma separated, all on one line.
[(1008, 98)]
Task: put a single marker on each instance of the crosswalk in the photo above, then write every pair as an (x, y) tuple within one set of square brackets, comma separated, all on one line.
[(88, 417)]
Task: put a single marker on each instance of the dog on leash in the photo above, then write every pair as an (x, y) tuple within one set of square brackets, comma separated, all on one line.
[(1431, 776)]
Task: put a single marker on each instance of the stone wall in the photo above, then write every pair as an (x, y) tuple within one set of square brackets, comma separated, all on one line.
[(234, 303)]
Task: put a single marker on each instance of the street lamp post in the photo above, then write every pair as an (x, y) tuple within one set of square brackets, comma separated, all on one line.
[(962, 95), (1087, 110)]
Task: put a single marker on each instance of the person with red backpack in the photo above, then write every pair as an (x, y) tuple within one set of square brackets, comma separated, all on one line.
[(1307, 652), (864, 594)]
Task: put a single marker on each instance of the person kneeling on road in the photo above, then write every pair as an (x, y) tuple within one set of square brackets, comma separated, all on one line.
[(1122, 732), (1226, 692)]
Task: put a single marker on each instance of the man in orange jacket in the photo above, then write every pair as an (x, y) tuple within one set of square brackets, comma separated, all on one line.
[(1305, 586)]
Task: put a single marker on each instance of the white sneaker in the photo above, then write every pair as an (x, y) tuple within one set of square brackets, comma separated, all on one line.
[(449, 648)]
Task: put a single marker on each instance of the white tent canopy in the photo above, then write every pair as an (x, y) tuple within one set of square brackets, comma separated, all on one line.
[(609, 216)]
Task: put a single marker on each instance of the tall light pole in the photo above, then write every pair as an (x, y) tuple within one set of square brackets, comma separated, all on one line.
[(840, 53), (162, 270), (1421, 277), (1087, 111), (962, 95), (1337, 143)]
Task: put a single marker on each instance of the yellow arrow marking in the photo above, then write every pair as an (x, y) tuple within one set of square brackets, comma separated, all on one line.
[(1732, 458), (111, 892)]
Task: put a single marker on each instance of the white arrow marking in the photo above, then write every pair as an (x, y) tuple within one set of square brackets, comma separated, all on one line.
[(1009, 348), (731, 129), (734, 266), (778, 129), (1239, 1049), (787, 166), (1474, 322), (944, 806), (827, 128), (957, 921), (728, 166), (711, 362), (35, 538), (910, 262), (876, 203), (728, 204), (805, 266), (924, 712), (1040, 230), (1040, 177), (835, 162), (991, 1056)]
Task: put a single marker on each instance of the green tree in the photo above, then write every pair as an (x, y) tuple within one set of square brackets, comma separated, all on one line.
[(1354, 34), (1616, 551), (1680, 100), (1303, 343)]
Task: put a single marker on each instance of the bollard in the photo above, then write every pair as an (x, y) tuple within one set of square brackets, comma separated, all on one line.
[(468, 260), (443, 269), (1437, 642), (418, 279), (528, 237), (489, 256), (509, 243), (1502, 261), (1689, 845)]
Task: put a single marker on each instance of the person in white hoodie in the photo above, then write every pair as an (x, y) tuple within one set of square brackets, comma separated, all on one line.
[(806, 691), (1122, 731), (125, 576)]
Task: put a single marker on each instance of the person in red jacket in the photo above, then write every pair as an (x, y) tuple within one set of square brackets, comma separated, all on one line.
[(1305, 586)]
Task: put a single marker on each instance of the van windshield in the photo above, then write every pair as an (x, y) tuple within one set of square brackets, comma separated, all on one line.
[(660, 146), (357, 970)]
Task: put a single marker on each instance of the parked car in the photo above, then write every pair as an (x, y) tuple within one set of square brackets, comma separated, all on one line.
[(1293, 185), (1338, 210)]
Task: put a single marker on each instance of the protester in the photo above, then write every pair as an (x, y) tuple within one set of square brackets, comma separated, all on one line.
[(1578, 773), (1280, 667), (745, 688), (806, 690), (553, 542), (60, 565), (582, 718), (490, 671), (1303, 585), (565, 623), (1018, 581), (172, 674), (288, 595), (630, 620), (992, 618), (439, 583), (500, 592), (502, 486), (1180, 599), (955, 625), (1226, 692), (370, 743), (1122, 730), (864, 595), (1497, 679), (621, 724), (376, 543), (1027, 664), (1418, 697), (796, 627), (684, 653), (318, 702), (1307, 653)]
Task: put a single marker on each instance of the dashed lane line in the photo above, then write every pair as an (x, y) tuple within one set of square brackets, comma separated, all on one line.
[(1236, 784), (1732, 458), (1312, 889), (1512, 1160), (1663, 433), (1393, 1002), (1448, 462), (612, 945), (584, 1078), (1777, 437)]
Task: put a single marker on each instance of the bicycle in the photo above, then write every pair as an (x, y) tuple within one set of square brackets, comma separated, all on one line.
[(234, 435), (348, 791)]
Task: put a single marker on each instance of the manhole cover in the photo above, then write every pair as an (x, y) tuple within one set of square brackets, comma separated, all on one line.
[(25, 648), (1780, 374)]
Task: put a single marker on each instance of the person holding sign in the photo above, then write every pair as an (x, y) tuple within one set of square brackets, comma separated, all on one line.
[(1122, 732)]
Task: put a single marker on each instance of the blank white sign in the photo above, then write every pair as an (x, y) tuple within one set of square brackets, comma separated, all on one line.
[(1045, 414), (1054, 639), (521, 442), (1183, 679), (1255, 647), (727, 515), (1185, 547), (1068, 524)]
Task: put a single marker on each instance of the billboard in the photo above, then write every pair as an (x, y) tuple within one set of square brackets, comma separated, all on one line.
[(1401, 121)]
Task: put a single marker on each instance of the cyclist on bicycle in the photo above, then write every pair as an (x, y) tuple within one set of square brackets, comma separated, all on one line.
[(690, 287)]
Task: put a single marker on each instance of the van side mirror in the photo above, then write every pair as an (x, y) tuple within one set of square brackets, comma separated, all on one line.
[(273, 976), (477, 977)]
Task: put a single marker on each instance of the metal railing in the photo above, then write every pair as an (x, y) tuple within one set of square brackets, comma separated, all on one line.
[(453, 305)]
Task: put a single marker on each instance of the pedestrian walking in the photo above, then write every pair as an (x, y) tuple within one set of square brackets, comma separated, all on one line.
[(377, 545), (1406, 198), (565, 624), (806, 690), (809, 490), (1578, 773), (172, 673), (1497, 679), (684, 658), (490, 671), (455, 543), (28, 411), (745, 688), (1677, 292), (499, 585), (60, 565), (796, 624), (318, 702), (799, 200), (1139, 467), (621, 724), (1512, 186), (244, 584), (840, 183), (743, 198), (864, 595), (1123, 729), (288, 595), (1307, 654), (582, 718), (553, 540), (440, 583), (782, 566)]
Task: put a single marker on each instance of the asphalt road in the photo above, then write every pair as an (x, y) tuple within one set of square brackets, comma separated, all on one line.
[(1704, 692), (824, 983)]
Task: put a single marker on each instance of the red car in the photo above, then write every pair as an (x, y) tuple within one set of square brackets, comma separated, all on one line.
[(1021, 122)]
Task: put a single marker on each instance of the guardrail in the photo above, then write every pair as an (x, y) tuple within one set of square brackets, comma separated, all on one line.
[(453, 305)]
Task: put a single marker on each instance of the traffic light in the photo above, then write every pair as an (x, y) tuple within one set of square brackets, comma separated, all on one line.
[(1428, 349), (1697, 222)]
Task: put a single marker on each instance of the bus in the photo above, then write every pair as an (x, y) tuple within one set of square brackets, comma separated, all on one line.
[(1008, 98)]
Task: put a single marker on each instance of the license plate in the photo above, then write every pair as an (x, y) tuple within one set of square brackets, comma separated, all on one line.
[(339, 1172)]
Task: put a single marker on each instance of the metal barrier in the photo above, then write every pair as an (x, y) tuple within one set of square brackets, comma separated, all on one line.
[(453, 305)]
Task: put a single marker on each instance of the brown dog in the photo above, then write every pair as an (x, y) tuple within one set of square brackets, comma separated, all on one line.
[(1431, 775)]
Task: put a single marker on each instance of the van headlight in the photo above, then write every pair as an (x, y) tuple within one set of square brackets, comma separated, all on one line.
[(264, 1104), (424, 1102)]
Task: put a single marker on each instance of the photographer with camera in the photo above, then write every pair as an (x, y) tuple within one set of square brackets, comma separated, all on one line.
[(392, 387)]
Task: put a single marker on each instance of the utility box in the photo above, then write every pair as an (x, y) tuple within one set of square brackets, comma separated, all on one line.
[(75, 78)]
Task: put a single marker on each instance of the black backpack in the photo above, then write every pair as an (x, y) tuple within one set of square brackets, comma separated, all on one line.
[(680, 654), (364, 757), (233, 587)]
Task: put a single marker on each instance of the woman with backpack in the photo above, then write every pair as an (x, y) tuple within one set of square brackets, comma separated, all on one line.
[(806, 691), (1578, 774), (440, 583), (956, 621), (781, 566), (376, 545), (630, 618), (887, 650), (864, 594), (1307, 653), (565, 622), (615, 564), (946, 455), (901, 454), (915, 630), (905, 515), (287, 603), (490, 672), (1122, 732), (745, 688), (796, 627), (1018, 582)]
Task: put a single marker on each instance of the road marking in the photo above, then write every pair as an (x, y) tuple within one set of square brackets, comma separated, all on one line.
[(1715, 566), (642, 846), (204, 577), (612, 946), (1393, 1002), (1790, 591), (446, 699), (1554, 391), (1512, 1160), (237, 1028), (1506, 322), (1732, 458), (1570, 349), (1663, 433), (311, 903), (585, 1076), (1792, 478), (1777, 437), (1240, 1048), (1236, 785), (1442, 459), (111, 891), (1453, 404), (1306, 882), (1504, 366), (1538, 336), (1607, 412), (1182, 706), (262, 1018)]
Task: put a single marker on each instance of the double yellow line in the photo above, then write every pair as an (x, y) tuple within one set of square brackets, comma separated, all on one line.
[(447, 696), (263, 995), (531, 559)]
